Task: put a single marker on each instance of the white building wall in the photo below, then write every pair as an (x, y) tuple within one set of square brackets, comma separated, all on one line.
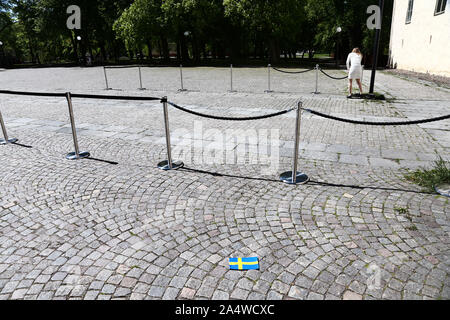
[(424, 44)]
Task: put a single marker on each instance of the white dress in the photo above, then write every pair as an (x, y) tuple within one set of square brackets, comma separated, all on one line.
[(354, 66)]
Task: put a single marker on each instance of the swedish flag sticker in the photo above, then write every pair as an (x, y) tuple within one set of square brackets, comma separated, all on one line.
[(244, 263)]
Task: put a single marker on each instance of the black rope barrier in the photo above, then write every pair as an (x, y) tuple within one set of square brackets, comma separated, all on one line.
[(389, 123), (77, 95), (133, 98), (36, 94), (292, 72), (230, 118), (335, 78), (122, 67)]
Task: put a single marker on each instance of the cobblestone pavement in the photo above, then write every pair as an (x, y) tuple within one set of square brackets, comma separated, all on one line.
[(92, 230)]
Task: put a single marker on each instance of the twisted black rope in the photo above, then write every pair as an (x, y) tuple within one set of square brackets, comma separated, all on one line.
[(122, 67), (292, 72), (391, 123), (335, 78), (77, 95), (230, 118), (36, 94)]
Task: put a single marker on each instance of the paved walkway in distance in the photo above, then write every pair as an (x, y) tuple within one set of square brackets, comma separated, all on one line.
[(92, 230)]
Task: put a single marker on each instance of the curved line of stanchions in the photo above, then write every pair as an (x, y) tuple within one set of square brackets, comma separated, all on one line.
[(335, 78), (77, 95), (292, 72), (230, 118), (389, 123)]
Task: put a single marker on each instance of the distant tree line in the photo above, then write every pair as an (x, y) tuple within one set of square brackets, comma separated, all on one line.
[(189, 30)]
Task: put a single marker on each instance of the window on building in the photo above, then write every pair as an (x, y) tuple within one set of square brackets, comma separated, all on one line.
[(410, 11), (440, 6)]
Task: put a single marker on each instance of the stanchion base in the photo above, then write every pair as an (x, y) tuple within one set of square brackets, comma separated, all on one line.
[(232, 91), (3, 141), (164, 165), (81, 155), (268, 91), (108, 89), (301, 178), (142, 88), (182, 90), (315, 92)]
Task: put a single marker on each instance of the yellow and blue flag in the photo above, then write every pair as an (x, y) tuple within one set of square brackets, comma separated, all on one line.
[(244, 263)]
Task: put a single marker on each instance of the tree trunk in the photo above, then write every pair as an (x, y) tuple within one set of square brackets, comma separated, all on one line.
[(195, 49), (33, 58), (178, 51), (165, 48), (205, 54), (274, 51), (184, 48), (75, 47), (103, 52), (150, 50)]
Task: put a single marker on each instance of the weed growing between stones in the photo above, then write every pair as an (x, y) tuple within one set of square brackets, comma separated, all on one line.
[(429, 179)]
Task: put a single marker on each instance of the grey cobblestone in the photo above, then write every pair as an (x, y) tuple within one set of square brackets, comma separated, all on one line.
[(90, 230)]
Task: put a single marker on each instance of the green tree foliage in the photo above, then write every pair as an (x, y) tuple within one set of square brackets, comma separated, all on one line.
[(277, 22), (351, 16), (35, 30)]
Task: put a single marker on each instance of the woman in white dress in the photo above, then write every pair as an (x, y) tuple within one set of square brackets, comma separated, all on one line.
[(354, 69)]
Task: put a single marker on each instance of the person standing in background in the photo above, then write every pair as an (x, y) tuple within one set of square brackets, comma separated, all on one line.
[(354, 69)]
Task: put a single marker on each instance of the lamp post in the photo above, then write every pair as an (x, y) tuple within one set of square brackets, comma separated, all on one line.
[(338, 31), (3, 52), (78, 48), (185, 55), (376, 49)]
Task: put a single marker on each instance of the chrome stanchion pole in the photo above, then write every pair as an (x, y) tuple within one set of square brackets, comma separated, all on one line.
[(181, 79), (268, 78), (168, 164), (6, 139), (140, 79), (77, 154), (106, 79), (317, 80), (295, 177)]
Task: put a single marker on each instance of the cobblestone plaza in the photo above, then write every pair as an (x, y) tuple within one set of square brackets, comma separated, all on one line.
[(89, 229)]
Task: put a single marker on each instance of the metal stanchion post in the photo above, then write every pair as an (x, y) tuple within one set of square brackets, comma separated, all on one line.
[(231, 79), (317, 80), (295, 177), (106, 79), (6, 139), (77, 154), (181, 79), (268, 78), (168, 164), (140, 79)]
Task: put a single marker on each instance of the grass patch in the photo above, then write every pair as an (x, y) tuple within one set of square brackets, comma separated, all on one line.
[(428, 179), (376, 96), (401, 210)]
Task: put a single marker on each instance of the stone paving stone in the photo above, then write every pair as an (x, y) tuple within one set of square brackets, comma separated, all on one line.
[(222, 295), (187, 293), (349, 295), (171, 293), (297, 293)]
